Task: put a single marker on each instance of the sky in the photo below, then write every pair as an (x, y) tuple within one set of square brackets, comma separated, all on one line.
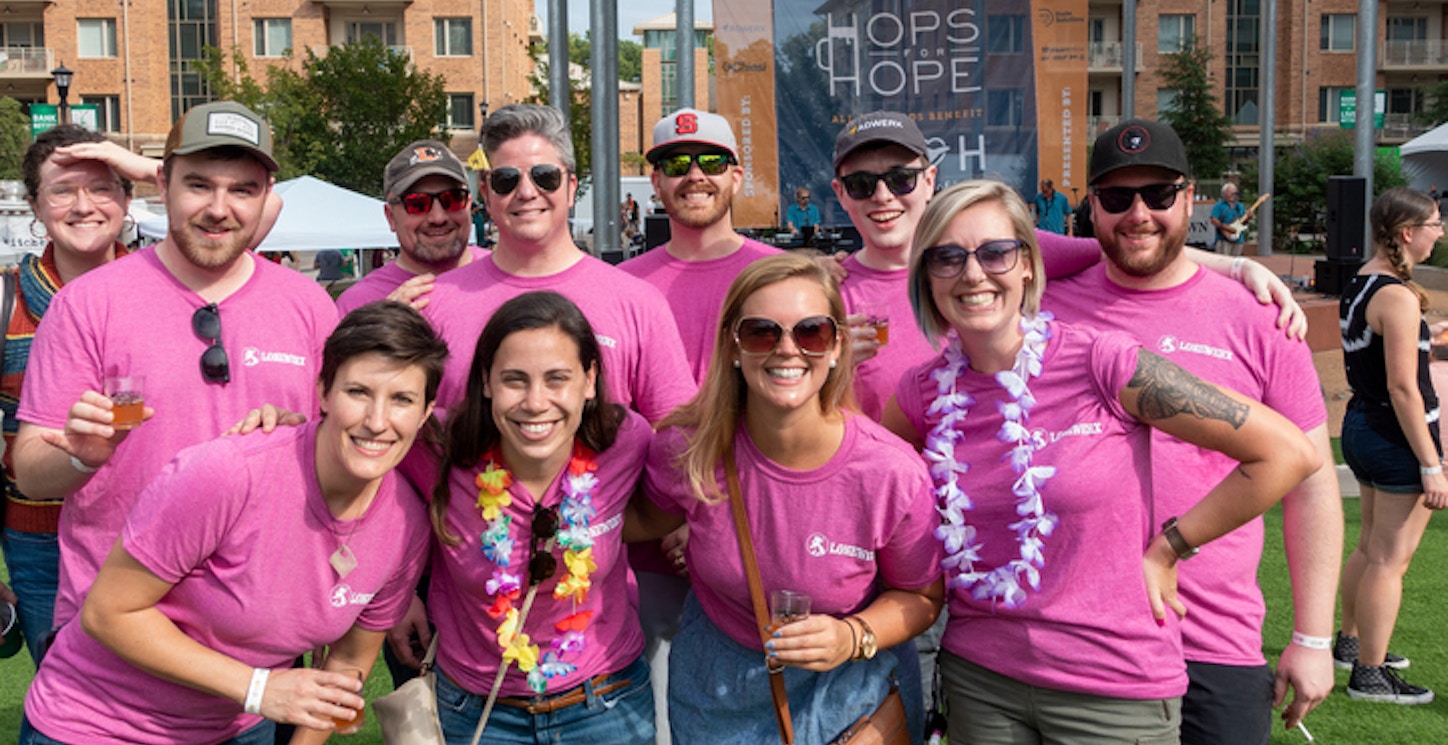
[(630, 14)]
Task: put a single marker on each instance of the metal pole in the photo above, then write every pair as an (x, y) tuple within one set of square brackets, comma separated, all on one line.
[(1367, 71), (1128, 59), (558, 89), (1267, 152), (607, 225), (684, 52)]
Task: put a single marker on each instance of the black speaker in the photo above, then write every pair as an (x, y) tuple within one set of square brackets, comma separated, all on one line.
[(656, 230), (1330, 276), (1346, 206)]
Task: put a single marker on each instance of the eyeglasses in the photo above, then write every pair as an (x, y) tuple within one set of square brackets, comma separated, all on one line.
[(1118, 199), (63, 196), (206, 323), (420, 202), (542, 566), (546, 176), (1434, 224), (814, 336), (995, 257), (678, 164)]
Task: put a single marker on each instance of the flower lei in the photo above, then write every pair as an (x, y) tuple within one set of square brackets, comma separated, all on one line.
[(962, 546), (575, 513)]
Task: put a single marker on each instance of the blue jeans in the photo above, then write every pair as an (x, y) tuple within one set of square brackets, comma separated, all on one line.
[(261, 734), (34, 563), (620, 717)]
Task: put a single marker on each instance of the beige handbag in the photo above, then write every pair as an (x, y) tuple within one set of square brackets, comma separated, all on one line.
[(408, 715)]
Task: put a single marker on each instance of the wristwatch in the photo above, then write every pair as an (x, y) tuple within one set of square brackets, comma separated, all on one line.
[(1179, 545), (868, 646)]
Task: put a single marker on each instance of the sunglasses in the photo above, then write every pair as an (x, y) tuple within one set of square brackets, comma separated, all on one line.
[(899, 180), (543, 565), (995, 257), (814, 336), (206, 323), (546, 176), (420, 202), (1118, 199), (712, 164)]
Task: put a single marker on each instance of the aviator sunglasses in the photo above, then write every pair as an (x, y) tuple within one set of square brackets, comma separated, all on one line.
[(206, 323), (546, 176), (814, 336), (899, 180), (1118, 199), (420, 202), (995, 257), (678, 164)]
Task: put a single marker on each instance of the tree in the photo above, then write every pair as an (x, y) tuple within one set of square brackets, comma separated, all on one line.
[(344, 115), (630, 60), (1435, 104), (1196, 112), (580, 112), (14, 137)]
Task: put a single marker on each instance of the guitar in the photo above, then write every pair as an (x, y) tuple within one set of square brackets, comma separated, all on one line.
[(1235, 228)]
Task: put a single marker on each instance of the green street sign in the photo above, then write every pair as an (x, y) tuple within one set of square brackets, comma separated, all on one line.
[(43, 116), (1347, 109)]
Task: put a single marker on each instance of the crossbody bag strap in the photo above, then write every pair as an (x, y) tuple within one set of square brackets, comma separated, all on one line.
[(756, 594), (7, 309)]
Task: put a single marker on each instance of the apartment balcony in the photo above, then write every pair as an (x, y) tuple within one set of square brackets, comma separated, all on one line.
[(1401, 127), (1109, 56), (1423, 54), (321, 49), (26, 63)]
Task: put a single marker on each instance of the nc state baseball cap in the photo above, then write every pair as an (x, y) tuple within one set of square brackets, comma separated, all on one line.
[(1138, 142), (692, 127), (221, 124), (417, 161), (877, 127)]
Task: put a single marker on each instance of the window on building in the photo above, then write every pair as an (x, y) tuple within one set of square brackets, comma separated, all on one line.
[(1096, 29), (1242, 81), (1095, 103), (108, 112), (1405, 101), (273, 36), (460, 111), (1329, 103), (1339, 32), (1402, 28), (96, 37), (452, 37), (1165, 100), (191, 27), (668, 88), (383, 31), (22, 34), (1006, 34), (1175, 32), (1003, 108)]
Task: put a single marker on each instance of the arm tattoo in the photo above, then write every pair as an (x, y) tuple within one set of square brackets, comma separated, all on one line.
[(1168, 390)]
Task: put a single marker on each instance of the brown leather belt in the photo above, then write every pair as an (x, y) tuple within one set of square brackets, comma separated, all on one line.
[(575, 695)]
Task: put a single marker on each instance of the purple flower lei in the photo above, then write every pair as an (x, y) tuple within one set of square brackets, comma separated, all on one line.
[(962, 545)]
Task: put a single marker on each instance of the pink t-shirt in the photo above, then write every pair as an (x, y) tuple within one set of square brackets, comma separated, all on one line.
[(643, 360), (134, 316), (1215, 329), (695, 291), (1088, 628), (249, 565), (835, 532), (458, 598), (379, 283)]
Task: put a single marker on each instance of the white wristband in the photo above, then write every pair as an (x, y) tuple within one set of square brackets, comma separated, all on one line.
[(1430, 470), (1311, 642), (1236, 271), (78, 465), (257, 688)]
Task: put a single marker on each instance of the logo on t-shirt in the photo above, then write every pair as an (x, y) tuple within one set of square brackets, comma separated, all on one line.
[(817, 545), (1085, 429), (342, 596), (251, 357), (1170, 344)]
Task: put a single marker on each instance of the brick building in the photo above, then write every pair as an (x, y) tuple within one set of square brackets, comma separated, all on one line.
[(660, 90)]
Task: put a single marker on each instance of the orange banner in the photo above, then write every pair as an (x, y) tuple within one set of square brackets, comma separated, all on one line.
[(1058, 30), (744, 65)]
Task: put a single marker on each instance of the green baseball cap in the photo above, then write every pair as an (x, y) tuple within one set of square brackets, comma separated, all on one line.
[(221, 124)]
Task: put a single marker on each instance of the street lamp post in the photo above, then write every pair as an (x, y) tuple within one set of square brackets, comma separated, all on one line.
[(62, 77), (482, 116)]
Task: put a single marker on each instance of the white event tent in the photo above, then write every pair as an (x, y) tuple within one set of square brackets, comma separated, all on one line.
[(1425, 159)]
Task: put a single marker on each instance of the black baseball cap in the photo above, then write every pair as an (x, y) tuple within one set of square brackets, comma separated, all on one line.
[(879, 127), (1138, 142)]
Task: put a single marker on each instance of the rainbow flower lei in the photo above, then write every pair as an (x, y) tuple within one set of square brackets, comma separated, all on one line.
[(962, 544), (575, 513)]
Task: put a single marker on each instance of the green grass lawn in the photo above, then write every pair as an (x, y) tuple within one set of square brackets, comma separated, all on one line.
[(1420, 636)]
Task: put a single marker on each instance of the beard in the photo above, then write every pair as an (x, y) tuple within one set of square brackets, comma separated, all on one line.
[(432, 252), (698, 216), (1145, 263), (211, 254)]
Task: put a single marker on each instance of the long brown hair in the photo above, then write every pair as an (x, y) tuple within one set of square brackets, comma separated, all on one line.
[(713, 415), (1399, 208)]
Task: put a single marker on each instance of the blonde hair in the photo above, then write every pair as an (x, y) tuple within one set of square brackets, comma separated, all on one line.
[(937, 218), (713, 414), (1399, 208)]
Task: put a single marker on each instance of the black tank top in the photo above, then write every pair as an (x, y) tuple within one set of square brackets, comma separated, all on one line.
[(1367, 369)]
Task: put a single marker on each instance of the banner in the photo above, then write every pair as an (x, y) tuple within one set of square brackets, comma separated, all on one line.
[(43, 117), (791, 73)]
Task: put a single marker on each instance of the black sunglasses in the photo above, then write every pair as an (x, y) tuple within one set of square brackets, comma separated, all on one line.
[(995, 257), (814, 336), (206, 323), (546, 176), (542, 566), (420, 202), (899, 180), (1118, 199), (678, 164)]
